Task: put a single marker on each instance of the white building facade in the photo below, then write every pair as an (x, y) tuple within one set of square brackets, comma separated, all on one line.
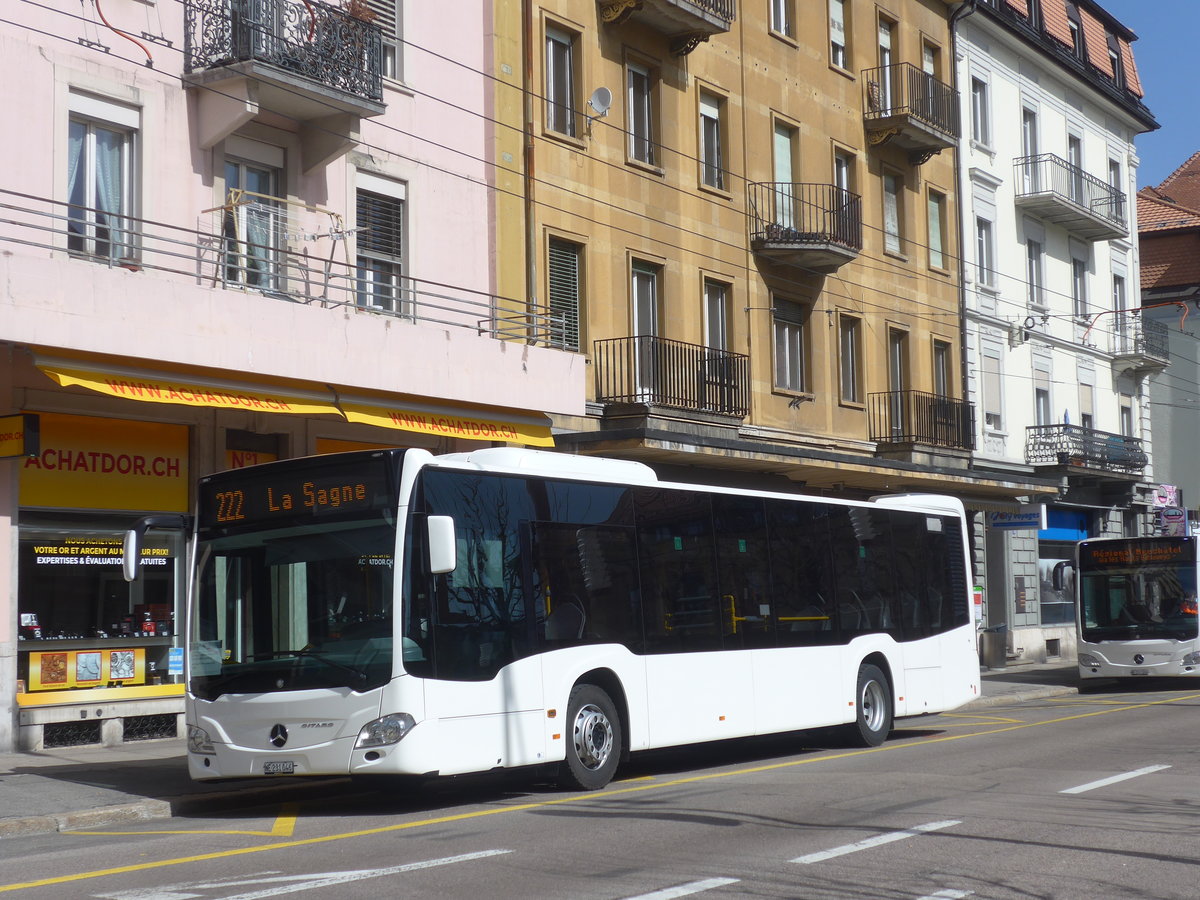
[(232, 232), (1058, 358)]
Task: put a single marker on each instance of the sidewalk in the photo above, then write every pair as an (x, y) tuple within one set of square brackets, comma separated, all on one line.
[(84, 787)]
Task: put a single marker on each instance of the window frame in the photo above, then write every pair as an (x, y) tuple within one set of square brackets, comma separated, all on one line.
[(991, 389), (572, 331), (561, 76), (839, 52), (985, 252), (94, 113), (981, 115), (850, 362), (937, 203), (641, 125), (711, 141), (791, 353), (1035, 273), (782, 19), (393, 264), (893, 203)]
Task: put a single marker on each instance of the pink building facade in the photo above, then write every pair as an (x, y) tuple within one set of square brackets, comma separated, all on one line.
[(233, 231)]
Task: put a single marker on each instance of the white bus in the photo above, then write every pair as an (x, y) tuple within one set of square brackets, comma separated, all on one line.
[(1136, 607), (396, 612)]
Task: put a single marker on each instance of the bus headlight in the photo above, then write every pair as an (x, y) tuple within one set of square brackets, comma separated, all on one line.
[(1086, 659), (387, 730), (198, 741)]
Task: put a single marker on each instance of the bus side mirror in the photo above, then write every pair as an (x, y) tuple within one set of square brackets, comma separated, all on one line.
[(131, 559), (443, 551), (1058, 578)]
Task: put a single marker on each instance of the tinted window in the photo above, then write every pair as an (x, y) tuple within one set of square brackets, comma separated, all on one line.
[(743, 572), (802, 573)]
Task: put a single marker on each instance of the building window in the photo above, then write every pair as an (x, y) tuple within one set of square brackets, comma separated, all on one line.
[(100, 179), (1127, 416), (837, 34), (781, 17), (893, 212), (381, 246), (645, 298), (712, 172), (253, 227), (850, 359), (1041, 398), (640, 109), (1087, 402), (716, 314), (985, 253), (937, 230), (981, 126), (941, 369), (563, 269), (560, 81), (887, 98), (1079, 297), (388, 18), (791, 351), (993, 409), (1121, 325), (1033, 273)]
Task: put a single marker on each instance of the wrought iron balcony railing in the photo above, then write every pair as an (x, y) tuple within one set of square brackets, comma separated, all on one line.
[(808, 224), (916, 417), (265, 246), (1065, 194), (307, 38), (1136, 336), (910, 108), (655, 371), (1074, 445)]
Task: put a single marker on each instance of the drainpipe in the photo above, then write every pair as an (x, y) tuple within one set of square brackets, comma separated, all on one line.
[(527, 92)]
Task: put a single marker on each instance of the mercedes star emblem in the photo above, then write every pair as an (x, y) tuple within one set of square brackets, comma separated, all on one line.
[(279, 735)]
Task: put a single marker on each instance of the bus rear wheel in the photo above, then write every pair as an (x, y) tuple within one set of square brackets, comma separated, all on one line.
[(594, 744), (873, 708)]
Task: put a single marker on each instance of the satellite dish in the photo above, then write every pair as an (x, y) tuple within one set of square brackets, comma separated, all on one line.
[(601, 100)]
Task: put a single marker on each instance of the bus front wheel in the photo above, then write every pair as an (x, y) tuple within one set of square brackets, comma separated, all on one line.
[(594, 742), (873, 703)]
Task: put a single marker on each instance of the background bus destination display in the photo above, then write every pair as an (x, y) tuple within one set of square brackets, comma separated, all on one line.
[(257, 495)]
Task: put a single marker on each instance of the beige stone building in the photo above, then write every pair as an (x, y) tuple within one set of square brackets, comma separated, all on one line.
[(745, 216)]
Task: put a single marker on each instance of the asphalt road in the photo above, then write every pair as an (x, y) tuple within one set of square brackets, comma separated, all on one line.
[(1086, 797)]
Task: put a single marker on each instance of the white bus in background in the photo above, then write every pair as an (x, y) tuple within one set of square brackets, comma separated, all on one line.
[(396, 612), (1136, 607)]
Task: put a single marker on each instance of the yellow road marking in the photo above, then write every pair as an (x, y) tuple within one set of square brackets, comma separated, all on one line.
[(284, 825), (523, 807)]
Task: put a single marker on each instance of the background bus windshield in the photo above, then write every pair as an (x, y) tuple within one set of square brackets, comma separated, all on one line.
[(1125, 595)]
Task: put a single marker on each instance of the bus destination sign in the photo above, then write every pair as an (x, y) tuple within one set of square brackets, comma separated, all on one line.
[(1131, 553), (269, 493)]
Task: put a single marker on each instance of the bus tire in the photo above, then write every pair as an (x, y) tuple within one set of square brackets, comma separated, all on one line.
[(593, 741), (873, 708)]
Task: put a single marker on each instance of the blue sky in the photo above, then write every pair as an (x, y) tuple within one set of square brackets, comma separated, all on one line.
[(1167, 58)]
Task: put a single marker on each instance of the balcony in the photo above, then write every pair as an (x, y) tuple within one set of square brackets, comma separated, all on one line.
[(1074, 446), (910, 109), (1140, 345), (687, 23), (1057, 191), (916, 417), (303, 59), (653, 371), (812, 226)]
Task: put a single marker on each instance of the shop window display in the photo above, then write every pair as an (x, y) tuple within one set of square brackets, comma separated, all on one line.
[(80, 625)]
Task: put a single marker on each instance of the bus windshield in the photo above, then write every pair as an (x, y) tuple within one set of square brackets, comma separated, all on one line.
[(294, 609), (1128, 593)]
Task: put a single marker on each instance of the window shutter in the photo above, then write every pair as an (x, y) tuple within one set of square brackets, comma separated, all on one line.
[(380, 222), (385, 17), (563, 273)]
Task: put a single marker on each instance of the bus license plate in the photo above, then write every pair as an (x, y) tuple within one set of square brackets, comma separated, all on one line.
[(1139, 671), (279, 768)]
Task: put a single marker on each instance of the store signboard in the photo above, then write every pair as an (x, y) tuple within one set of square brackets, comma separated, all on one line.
[(1030, 517), (19, 435), (86, 668), (92, 551), (86, 462)]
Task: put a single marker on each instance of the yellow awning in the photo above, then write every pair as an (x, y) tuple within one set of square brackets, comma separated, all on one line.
[(449, 423), (187, 390), (153, 387)]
